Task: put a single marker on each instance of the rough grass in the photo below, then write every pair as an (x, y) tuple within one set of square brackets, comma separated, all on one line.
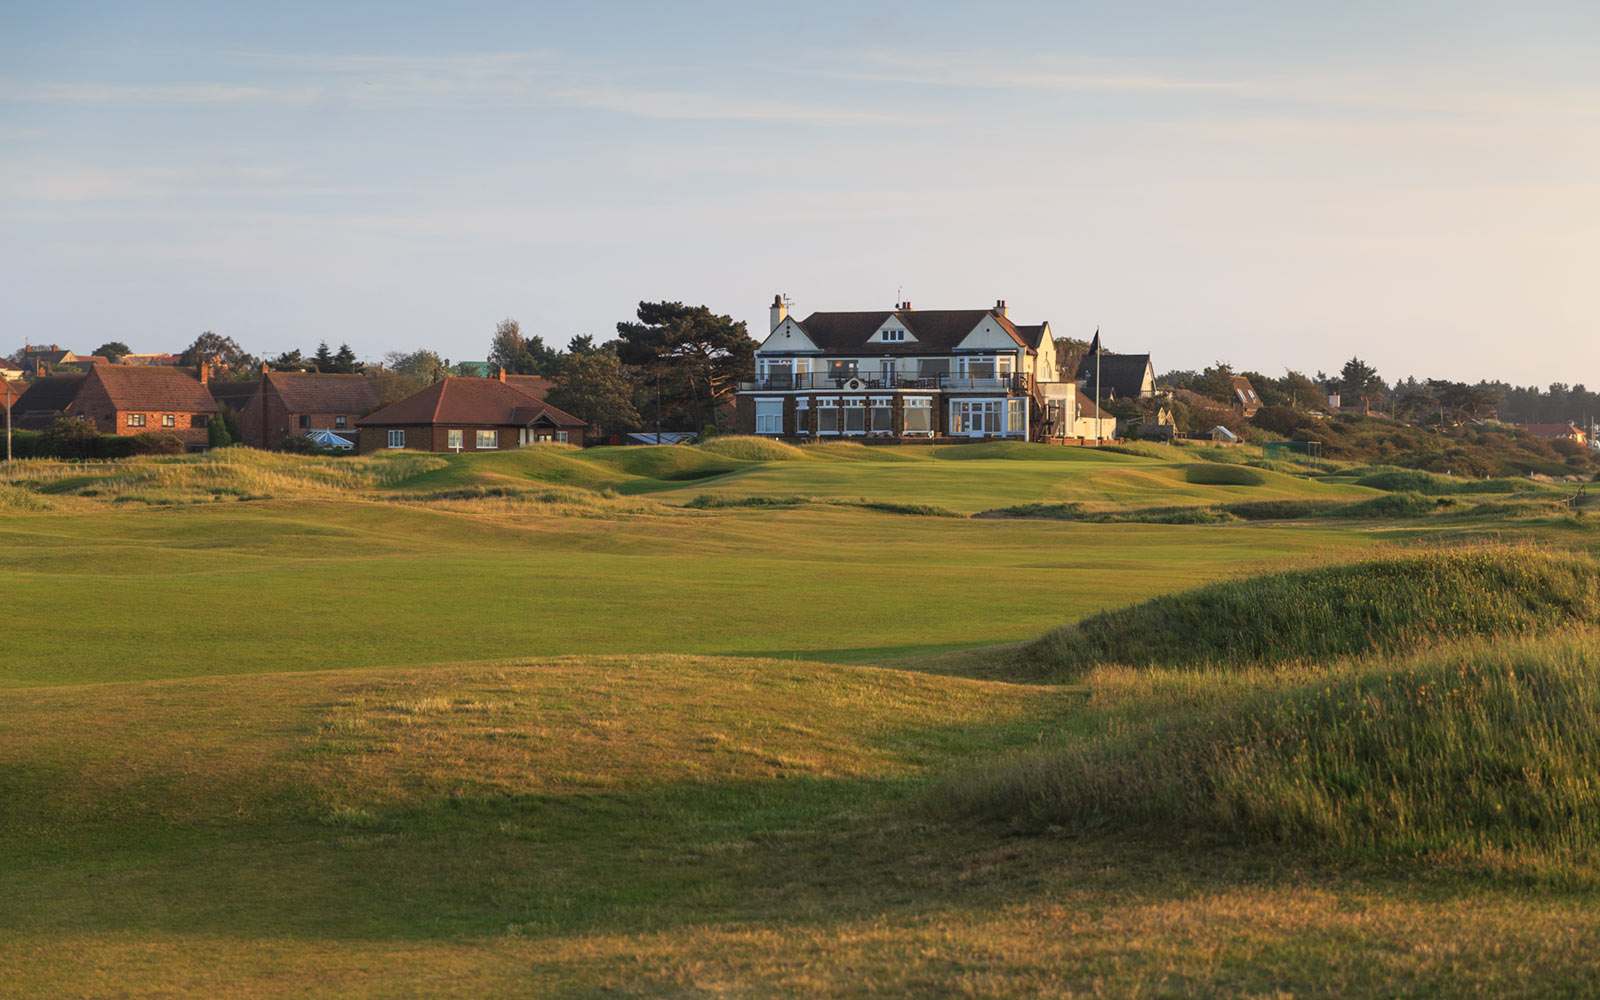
[(752, 449), (1431, 484), (1303, 615), (1482, 751)]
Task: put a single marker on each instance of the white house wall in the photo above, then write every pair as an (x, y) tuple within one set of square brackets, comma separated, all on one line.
[(988, 335), (787, 337)]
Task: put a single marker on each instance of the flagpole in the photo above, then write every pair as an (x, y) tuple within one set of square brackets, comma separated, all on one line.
[(1099, 433)]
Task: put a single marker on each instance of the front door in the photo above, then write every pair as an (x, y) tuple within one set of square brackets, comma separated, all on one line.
[(975, 424)]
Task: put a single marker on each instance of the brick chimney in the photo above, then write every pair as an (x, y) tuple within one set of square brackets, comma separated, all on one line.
[(205, 371), (1000, 308), (502, 373)]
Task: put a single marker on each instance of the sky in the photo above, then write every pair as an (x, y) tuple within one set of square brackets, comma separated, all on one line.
[(1276, 185)]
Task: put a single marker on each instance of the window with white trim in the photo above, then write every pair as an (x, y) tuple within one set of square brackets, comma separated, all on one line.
[(855, 414), (135, 420), (453, 439), (488, 440), (769, 416), (1016, 416), (397, 439), (882, 415), (802, 415), (894, 335), (562, 437), (919, 415), (828, 415)]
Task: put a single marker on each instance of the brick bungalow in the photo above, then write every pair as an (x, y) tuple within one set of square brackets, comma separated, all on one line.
[(281, 403), (468, 414)]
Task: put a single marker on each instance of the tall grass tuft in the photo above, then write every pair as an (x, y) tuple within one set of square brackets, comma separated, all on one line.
[(752, 449), (1307, 615), (1481, 750)]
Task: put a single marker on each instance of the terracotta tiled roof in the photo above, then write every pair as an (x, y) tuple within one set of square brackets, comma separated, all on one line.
[(308, 392), (140, 387), (16, 391), (45, 400), (937, 331), (1553, 430), (465, 401), (524, 415)]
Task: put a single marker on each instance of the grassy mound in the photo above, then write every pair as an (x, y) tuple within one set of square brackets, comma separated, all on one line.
[(1216, 474), (1383, 604), (752, 449), (1485, 750), (1430, 484)]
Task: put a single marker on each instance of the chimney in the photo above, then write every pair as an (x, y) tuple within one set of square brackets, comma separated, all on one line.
[(1000, 308), (205, 372), (903, 307), (502, 373), (780, 311)]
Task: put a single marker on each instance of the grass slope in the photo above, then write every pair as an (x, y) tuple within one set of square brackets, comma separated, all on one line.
[(1307, 615), (1484, 751)]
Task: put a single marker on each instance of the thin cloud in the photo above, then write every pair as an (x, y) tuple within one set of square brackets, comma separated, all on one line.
[(503, 78)]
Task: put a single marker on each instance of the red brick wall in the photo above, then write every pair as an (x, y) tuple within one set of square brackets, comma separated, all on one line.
[(425, 437), (94, 404)]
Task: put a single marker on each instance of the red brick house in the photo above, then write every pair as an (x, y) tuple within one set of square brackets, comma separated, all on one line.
[(468, 414), (44, 400), (133, 399), (282, 403)]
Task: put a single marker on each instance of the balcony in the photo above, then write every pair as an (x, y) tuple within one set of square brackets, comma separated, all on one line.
[(870, 380)]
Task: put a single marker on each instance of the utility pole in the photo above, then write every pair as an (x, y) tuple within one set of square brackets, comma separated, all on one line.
[(8, 419), (1099, 434)]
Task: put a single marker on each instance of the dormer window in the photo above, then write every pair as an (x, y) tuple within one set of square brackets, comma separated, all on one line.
[(895, 335)]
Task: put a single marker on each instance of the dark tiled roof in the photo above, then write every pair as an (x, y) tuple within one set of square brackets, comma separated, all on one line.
[(46, 399), (233, 393), (938, 331), (468, 401), (536, 386), (1032, 335), (139, 387), (305, 392), (1123, 373)]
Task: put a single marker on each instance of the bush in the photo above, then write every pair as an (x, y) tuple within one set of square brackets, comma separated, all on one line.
[(217, 435), (157, 444), (70, 438), (1283, 420)]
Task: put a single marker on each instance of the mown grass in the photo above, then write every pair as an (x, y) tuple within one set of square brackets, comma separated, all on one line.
[(1307, 615)]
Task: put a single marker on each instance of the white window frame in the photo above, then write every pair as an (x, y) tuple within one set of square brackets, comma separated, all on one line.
[(397, 438), (874, 405), (454, 439), (828, 404), (854, 404), (494, 440), (922, 405), (562, 437), (770, 421)]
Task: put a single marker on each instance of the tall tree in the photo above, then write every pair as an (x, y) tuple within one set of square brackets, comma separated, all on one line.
[(518, 354), (344, 362), (592, 385), (1360, 380), (424, 365), (706, 353), (215, 349), (291, 361), (114, 350), (323, 359), (581, 345)]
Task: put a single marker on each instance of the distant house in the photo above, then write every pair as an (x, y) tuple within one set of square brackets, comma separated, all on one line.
[(10, 372), (1222, 435), (1557, 432), (46, 399), (1244, 396), (39, 360), (1117, 376), (282, 403), (905, 373), (123, 400), (467, 414)]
